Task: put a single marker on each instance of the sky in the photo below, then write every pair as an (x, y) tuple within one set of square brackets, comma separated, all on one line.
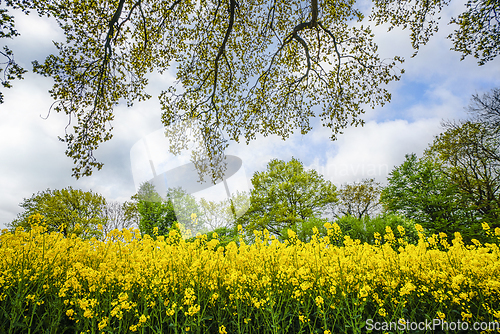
[(436, 86)]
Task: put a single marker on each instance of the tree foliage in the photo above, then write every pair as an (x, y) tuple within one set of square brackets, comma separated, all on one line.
[(220, 214), (155, 214), (306, 229), (189, 216), (477, 30), (216, 214), (358, 199), (366, 229), (420, 190), (67, 210), (11, 69), (243, 67), (286, 195), (471, 154), (455, 187), (485, 109)]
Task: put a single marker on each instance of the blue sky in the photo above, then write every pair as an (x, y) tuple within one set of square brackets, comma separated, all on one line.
[(436, 86)]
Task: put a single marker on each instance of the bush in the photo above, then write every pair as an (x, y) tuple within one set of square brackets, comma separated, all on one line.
[(364, 229), (305, 230)]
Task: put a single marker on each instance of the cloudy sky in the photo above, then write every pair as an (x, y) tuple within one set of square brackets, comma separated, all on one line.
[(436, 86)]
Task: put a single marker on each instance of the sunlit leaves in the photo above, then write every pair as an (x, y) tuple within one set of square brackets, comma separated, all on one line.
[(67, 210), (243, 68), (280, 67), (286, 195), (477, 28), (11, 70), (109, 49)]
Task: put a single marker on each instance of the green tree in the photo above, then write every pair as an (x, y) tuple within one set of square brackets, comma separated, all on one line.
[(359, 199), (131, 213), (67, 210), (456, 185), (470, 153), (477, 30), (187, 211), (243, 67), (220, 214), (285, 195), (216, 214), (175, 210), (420, 190), (151, 210)]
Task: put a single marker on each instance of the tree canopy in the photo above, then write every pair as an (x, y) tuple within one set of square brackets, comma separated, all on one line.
[(242, 67), (67, 210), (155, 215), (470, 153), (220, 214), (455, 186), (12, 70), (485, 109), (477, 31), (358, 199), (286, 195), (419, 189)]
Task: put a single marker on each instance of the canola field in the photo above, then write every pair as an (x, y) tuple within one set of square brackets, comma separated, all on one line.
[(128, 283)]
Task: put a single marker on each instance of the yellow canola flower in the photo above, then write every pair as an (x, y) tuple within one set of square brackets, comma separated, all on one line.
[(193, 310), (177, 277), (103, 323), (382, 312), (87, 314)]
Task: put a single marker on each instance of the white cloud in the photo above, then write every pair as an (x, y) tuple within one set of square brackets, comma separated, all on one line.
[(374, 150)]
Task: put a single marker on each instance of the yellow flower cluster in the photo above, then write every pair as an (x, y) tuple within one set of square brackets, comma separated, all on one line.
[(129, 282)]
